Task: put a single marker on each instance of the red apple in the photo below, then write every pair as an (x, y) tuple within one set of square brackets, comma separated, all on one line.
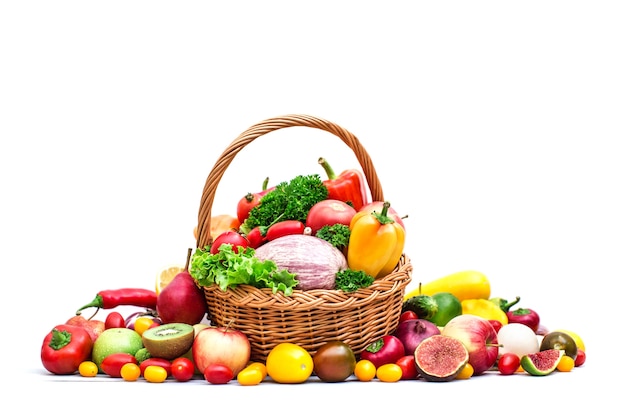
[(327, 213), (479, 338), (93, 327), (221, 345)]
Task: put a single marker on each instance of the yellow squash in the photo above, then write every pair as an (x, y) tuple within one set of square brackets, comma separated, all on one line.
[(465, 285)]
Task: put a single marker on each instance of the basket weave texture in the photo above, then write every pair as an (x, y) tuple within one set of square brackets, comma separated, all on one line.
[(306, 318)]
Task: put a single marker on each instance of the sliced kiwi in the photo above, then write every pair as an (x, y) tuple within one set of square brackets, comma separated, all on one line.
[(168, 341), (440, 358)]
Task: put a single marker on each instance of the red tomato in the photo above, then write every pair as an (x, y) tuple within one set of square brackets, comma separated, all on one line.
[(162, 362), (508, 363), (114, 320), (329, 212), (581, 356), (216, 373), (64, 348), (378, 206), (112, 364), (407, 364), (408, 315), (247, 203), (231, 237), (182, 369)]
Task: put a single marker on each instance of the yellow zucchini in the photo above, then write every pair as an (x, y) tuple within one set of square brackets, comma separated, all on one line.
[(465, 285)]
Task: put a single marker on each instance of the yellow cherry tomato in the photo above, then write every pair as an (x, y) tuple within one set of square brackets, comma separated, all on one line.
[(250, 375), (288, 363), (364, 370), (88, 369), (130, 371), (260, 366), (142, 324), (566, 364), (155, 373), (467, 372), (389, 372)]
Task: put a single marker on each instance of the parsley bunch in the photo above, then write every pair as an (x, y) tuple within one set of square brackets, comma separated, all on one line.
[(289, 200)]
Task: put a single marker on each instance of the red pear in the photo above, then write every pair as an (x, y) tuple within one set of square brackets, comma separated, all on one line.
[(182, 300)]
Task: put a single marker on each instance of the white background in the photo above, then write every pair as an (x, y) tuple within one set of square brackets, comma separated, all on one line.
[(495, 126)]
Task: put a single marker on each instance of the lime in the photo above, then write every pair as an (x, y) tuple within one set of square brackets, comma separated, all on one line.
[(448, 306)]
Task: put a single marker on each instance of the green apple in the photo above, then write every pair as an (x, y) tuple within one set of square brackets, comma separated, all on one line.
[(115, 340)]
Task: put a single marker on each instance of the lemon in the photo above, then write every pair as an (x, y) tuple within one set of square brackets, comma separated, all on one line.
[(166, 275), (579, 341)]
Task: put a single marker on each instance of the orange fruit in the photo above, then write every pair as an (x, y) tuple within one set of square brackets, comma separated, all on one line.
[(166, 275)]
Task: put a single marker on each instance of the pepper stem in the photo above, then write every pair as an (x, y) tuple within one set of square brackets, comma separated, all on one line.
[(97, 302), (329, 171)]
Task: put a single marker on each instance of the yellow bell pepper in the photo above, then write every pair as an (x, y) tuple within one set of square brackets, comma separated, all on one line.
[(485, 309), (376, 242)]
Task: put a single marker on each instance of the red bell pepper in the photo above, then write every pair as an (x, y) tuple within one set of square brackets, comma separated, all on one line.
[(387, 349), (64, 348), (524, 316), (349, 186)]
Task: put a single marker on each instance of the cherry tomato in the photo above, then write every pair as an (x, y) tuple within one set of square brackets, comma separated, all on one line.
[(247, 203), (216, 373), (250, 375), (130, 372), (508, 363), (155, 373), (142, 324), (113, 363), (389, 372), (408, 315), (88, 369), (407, 364), (162, 362), (182, 369), (364, 370), (580, 358), (231, 237), (329, 212), (114, 320), (566, 364)]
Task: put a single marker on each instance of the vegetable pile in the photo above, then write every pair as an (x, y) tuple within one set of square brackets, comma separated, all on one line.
[(308, 234)]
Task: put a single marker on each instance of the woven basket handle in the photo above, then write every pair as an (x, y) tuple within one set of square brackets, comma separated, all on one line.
[(267, 126)]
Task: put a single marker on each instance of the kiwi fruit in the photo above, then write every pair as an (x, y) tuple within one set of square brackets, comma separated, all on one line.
[(168, 341), (440, 358)]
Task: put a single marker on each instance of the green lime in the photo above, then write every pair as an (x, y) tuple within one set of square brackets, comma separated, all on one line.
[(448, 306)]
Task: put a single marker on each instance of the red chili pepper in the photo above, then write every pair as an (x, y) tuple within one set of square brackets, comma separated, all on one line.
[(284, 228), (348, 187), (524, 316), (256, 238), (139, 297)]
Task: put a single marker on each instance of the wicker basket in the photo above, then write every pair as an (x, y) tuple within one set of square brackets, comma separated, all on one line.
[(306, 318)]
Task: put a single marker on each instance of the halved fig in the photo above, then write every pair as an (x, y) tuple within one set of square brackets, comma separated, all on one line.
[(440, 358)]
